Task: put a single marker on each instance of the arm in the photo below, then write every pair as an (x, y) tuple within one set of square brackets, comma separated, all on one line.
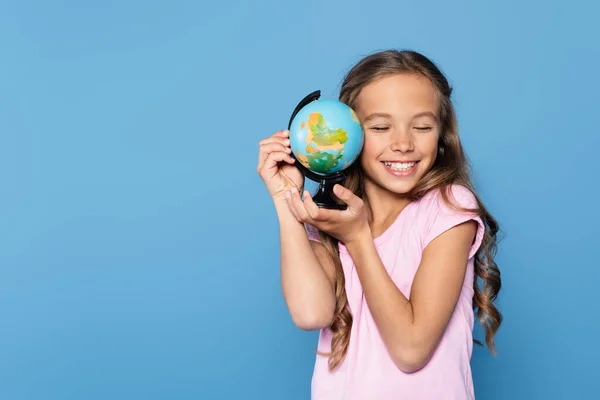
[(307, 273), (412, 328)]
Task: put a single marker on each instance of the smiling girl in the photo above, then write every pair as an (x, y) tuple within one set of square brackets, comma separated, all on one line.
[(394, 281)]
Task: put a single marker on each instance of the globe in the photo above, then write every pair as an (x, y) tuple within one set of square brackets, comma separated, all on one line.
[(326, 136)]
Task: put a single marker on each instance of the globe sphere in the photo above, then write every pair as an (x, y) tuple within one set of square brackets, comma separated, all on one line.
[(326, 136)]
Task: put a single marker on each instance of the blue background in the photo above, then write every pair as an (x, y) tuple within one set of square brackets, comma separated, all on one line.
[(139, 249)]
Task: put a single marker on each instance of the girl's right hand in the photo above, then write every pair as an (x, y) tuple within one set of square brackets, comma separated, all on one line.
[(276, 165)]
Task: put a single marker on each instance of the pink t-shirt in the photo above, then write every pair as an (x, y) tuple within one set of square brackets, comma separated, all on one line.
[(368, 372)]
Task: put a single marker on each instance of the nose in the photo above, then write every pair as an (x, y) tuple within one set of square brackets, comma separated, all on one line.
[(401, 141)]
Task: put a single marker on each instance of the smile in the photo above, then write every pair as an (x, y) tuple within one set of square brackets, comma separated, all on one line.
[(402, 169), (400, 166)]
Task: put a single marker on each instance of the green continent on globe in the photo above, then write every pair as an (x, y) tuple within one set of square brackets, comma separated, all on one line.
[(322, 161), (324, 146)]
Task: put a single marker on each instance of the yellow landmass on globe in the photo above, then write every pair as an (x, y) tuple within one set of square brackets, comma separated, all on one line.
[(303, 159), (311, 149), (323, 136)]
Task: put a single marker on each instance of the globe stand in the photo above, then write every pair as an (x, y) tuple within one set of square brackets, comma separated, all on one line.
[(324, 196)]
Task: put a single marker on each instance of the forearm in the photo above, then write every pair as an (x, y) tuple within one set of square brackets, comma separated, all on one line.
[(307, 290), (391, 310)]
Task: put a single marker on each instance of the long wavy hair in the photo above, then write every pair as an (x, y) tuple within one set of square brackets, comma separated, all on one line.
[(451, 167)]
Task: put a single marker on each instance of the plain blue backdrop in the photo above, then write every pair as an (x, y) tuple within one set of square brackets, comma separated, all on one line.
[(139, 249)]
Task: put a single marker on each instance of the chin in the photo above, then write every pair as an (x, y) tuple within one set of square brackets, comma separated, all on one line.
[(401, 188)]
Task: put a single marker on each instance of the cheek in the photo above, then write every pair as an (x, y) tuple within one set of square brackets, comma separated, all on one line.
[(428, 145), (371, 150)]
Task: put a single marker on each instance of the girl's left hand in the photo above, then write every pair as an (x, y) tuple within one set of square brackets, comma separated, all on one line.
[(345, 225)]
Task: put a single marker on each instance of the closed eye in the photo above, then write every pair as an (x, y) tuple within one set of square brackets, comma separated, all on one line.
[(380, 128)]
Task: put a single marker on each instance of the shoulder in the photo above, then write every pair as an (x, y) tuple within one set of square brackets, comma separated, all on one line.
[(459, 197), (444, 208)]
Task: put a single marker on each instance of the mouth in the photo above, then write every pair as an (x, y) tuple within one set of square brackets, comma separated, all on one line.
[(400, 168)]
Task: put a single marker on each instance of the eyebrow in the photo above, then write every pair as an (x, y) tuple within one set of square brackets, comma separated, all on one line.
[(425, 114), (386, 115), (376, 115)]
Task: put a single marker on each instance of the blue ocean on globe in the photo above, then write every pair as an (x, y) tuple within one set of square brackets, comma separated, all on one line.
[(326, 136)]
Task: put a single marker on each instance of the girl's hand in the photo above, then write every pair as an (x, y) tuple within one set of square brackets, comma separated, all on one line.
[(276, 166), (346, 225)]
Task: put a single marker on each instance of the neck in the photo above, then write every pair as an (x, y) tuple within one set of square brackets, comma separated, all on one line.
[(383, 207)]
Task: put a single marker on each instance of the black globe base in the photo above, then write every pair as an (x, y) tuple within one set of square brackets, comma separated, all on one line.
[(324, 197)]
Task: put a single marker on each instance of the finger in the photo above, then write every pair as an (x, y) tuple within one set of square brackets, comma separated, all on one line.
[(299, 206), (347, 196), (278, 136), (312, 208), (275, 158), (268, 147), (288, 199), (317, 213), (275, 139)]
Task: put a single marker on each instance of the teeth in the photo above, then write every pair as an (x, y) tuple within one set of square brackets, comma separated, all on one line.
[(400, 166)]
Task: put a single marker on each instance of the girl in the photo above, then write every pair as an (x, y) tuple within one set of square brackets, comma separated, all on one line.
[(392, 281)]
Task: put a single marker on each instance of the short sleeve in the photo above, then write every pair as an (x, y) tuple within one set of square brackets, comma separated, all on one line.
[(442, 217), (312, 232)]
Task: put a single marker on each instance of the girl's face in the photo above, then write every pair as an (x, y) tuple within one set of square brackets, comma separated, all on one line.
[(400, 119)]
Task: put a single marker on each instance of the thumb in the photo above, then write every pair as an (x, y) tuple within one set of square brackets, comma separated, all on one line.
[(346, 195)]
